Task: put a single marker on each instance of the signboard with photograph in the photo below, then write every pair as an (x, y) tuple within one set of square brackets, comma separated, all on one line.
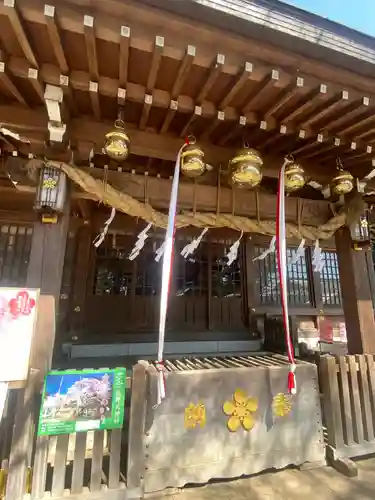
[(18, 311), (82, 400)]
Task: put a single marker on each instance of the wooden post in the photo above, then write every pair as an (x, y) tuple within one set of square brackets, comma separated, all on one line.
[(44, 272), (356, 295)]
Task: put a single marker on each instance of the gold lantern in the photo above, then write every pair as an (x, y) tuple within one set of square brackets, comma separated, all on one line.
[(294, 177), (245, 168), (343, 182), (117, 142), (192, 164)]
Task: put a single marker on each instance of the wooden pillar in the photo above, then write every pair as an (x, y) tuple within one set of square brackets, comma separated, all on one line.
[(44, 272), (82, 280), (355, 279)]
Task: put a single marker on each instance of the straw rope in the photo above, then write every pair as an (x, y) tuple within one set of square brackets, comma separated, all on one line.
[(123, 202)]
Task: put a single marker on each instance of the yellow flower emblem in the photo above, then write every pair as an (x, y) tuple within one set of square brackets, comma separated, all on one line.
[(49, 183), (195, 415), (240, 411), (281, 405)]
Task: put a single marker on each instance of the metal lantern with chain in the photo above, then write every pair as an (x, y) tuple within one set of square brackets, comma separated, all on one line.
[(117, 142), (360, 233), (51, 193), (294, 176), (245, 168), (192, 164), (343, 182)]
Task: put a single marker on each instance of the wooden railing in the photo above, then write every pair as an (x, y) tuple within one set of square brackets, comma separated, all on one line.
[(348, 387)]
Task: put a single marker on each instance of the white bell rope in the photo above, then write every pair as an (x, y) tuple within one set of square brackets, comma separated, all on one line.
[(166, 275)]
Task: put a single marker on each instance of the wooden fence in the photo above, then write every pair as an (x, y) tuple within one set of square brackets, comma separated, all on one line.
[(348, 387), (106, 465)]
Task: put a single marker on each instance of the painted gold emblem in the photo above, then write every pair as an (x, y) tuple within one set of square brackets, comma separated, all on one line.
[(240, 411), (281, 405), (195, 415), (50, 183)]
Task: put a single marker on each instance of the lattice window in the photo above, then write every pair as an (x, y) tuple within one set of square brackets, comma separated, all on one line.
[(191, 274), (15, 246), (113, 269), (267, 281), (330, 279), (226, 280)]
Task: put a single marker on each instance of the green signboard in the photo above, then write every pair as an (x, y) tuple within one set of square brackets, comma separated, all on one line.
[(82, 400)]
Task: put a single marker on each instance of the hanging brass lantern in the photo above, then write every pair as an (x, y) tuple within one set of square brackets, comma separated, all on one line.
[(192, 164), (294, 177), (343, 182), (117, 142), (245, 168)]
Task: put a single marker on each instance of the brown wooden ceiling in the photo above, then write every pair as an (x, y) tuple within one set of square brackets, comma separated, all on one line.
[(174, 78)]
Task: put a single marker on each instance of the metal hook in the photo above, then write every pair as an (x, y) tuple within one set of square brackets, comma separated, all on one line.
[(289, 157), (339, 164), (191, 138)]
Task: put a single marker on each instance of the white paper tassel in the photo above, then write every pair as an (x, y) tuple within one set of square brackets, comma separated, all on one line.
[(100, 238), (160, 252), (317, 260), (140, 243), (270, 249), (190, 248), (233, 251), (298, 254)]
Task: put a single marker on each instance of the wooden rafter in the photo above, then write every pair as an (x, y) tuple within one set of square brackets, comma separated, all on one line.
[(10, 10), (214, 72), (94, 98), (240, 81), (220, 117), (146, 111), (36, 83), (335, 104), (315, 97), (55, 37), (356, 109), (8, 85), (124, 55), (172, 110), (183, 71), (285, 97), (235, 129), (90, 41), (155, 63), (263, 89)]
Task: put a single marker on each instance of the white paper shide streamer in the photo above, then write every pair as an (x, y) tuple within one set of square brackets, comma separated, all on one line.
[(298, 254), (159, 252), (190, 248), (140, 243), (233, 251), (270, 249), (317, 261), (100, 238)]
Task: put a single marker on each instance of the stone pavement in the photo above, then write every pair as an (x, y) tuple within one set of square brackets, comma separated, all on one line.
[(291, 484)]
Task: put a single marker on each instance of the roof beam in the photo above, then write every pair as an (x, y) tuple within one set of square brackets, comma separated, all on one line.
[(313, 99), (55, 38), (124, 56), (155, 63), (33, 125), (8, 85), (356, 108), (9, 9), (90, 41), (183, 71), (241, 80), (214, 72), (335, 104), (285, 97), (263, 90)]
